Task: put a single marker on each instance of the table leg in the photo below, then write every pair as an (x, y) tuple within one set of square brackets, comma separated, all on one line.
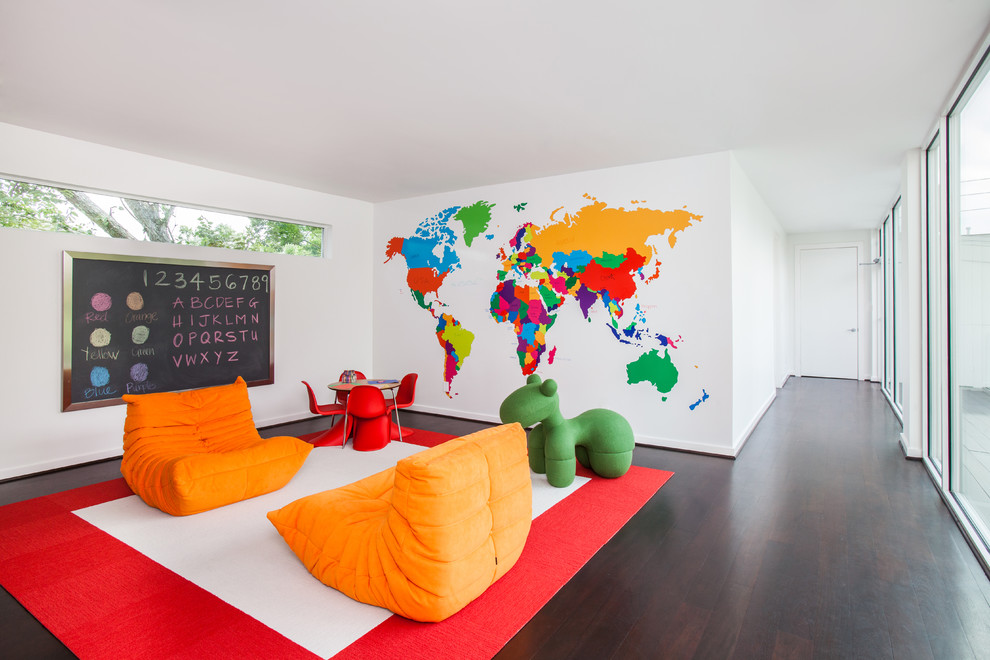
[(397, 422)]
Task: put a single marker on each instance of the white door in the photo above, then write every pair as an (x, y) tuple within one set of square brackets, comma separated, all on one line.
[(828, 312)]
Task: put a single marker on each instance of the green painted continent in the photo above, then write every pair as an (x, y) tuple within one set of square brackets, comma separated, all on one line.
[(475, 219), (655, 369)]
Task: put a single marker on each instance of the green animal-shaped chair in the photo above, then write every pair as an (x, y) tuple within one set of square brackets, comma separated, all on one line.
[(600, 439)]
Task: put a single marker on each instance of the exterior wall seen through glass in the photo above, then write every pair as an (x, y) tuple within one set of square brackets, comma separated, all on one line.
[(970, 306)]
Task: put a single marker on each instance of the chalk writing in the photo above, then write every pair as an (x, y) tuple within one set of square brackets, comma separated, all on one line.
[(100, 392), (207, 357), (93, 317), (182, 325), (232, 281)]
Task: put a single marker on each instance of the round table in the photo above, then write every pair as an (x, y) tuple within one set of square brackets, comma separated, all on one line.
[(384, 384)]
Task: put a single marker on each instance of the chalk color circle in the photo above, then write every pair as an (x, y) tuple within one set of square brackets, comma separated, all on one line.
[(99, 376), (139, 372), (135, 300), (140, 334), (99, 337), (101, 302)]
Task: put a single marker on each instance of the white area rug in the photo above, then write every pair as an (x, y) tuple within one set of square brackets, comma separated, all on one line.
[(235, 553)]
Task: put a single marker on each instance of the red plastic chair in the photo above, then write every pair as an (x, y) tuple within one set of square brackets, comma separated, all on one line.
[(326, 410), (366, 404), (341, 397), (403, 399)]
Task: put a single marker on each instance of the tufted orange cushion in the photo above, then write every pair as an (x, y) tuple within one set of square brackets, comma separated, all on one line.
[(426, 537), (187, 452)]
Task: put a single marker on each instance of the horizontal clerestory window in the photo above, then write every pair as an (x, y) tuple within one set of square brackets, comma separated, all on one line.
[(28, 205)]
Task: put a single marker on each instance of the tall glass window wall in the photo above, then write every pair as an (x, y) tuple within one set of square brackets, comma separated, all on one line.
[(937, 330), (892, 255), (969, 302), (886, 255), (899, 250)]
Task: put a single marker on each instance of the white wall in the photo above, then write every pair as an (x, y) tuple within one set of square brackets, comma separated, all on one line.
[(783, 311), (323, 310), (691, 300), (756, 240), (329, 316), (911, 317)]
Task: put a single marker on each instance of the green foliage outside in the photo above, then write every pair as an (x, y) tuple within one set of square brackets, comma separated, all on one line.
[(45, 208), (30, 206)]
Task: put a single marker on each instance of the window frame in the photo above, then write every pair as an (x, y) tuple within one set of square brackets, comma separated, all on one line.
[(324, 229)]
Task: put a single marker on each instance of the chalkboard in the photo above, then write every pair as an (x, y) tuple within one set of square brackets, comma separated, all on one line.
[(134, 325)]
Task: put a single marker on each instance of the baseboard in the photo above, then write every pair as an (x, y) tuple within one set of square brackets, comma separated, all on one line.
[(679, 445), (644, 440), (738, 444), (893, 408), (32, 469), (457, 414), (282, 419), (913, 454)]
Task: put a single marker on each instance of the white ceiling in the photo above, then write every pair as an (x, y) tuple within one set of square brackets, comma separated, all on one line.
[(389, 99)]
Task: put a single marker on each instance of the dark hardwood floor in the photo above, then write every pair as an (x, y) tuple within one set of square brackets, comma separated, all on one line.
[(820, 541)]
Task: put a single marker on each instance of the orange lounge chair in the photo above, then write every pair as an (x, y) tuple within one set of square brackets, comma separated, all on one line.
[(187, 452), (426, 537)]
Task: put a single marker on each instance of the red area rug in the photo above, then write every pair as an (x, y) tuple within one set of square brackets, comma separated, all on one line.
[(103, 599)]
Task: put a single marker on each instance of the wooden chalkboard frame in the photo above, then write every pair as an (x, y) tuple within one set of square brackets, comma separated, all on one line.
[(129, 261)]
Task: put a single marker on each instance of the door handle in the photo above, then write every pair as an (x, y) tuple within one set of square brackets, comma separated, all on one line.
[(852, 329)]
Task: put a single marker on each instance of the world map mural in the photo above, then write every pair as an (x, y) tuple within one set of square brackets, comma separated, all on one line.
[(598, 258)]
